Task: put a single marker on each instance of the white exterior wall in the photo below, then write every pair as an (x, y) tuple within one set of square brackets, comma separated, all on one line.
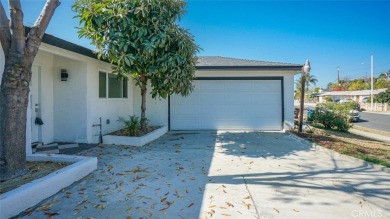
[(157, 110), (106, 108), (85, 92), (70, 97)]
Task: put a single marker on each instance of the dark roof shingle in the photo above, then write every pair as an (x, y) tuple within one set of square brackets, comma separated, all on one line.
[(218, 62)]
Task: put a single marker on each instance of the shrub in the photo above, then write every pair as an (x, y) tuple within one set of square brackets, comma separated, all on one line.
[(328, 99), (131, 125), (332, 115)]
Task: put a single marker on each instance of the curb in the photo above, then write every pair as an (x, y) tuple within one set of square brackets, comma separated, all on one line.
[(30, 194), (321, 148)]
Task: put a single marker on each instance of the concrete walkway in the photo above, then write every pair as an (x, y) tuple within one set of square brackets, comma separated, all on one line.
[(223, 175)]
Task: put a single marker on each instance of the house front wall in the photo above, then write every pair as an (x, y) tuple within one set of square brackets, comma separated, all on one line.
[(70, 97), (157, 109), (83, 107), (108, 109)]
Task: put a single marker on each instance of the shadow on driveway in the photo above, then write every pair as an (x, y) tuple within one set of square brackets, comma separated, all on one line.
[(221, 174)]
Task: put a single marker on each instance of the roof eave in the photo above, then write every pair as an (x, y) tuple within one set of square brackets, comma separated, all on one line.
[(246, 68)]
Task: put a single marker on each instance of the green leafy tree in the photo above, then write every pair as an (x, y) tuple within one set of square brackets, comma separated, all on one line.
[(20, 49), (357, 84), (383, 97), (381, 83), (142, 39)]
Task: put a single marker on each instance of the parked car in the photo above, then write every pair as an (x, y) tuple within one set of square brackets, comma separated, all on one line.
[(354, 116)]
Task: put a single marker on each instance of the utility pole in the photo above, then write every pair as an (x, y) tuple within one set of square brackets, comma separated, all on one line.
[(372, 82), (338, 76), (305, 70)]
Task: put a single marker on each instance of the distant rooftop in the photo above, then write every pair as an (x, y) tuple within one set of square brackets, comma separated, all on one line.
[(353, 93)]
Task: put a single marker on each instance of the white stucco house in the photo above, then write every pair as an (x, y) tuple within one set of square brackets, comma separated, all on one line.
[(358, 95), (71, 91)]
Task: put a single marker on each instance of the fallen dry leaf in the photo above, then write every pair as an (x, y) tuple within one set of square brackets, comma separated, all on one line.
[(46, 207), (276, 210), (247, 197), (227, 215), (230, 204), (295, 210), (50, 214)]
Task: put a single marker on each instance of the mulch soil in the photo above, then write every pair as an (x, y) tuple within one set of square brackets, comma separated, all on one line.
[(36, 170)]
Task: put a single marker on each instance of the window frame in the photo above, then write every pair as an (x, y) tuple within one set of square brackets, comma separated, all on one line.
[(122, 91)]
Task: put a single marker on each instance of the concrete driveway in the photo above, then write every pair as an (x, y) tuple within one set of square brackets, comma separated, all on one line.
[(223, 175)]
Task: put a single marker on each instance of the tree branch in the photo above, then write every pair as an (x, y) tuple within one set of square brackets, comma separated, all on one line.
[(5, 34), (36, 33), (17, 28)]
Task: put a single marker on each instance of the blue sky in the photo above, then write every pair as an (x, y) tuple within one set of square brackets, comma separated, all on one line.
[(328, 33)]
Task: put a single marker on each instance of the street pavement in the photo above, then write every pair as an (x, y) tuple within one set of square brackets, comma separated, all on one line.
[(223, 175), (375, 121)]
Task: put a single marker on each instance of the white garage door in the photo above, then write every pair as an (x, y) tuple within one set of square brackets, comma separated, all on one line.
[(229, 105)]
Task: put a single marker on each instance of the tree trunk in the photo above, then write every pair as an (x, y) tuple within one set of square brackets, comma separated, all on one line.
[(143, 83), (13, 112), (19, 51)]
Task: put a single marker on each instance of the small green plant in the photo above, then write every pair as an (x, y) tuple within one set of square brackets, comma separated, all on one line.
[(131, 125)]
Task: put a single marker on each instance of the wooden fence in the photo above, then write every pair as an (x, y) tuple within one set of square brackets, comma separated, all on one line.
[(376, 106)]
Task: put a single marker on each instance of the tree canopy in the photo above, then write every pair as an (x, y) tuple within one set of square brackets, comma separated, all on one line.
[(380, 82), (142, 38)]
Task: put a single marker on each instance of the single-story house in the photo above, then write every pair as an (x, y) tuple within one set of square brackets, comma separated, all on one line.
[(73, 93), (357, 96)]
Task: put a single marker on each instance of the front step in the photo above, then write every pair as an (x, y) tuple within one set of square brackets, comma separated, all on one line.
[(53, 148)]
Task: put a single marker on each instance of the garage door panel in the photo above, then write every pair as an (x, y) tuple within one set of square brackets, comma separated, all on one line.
[(211, 98), (229, 105), (209, 86), (184, 110), (192, 99)]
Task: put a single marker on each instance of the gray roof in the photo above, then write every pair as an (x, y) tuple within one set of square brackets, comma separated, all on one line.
[(218, 62)]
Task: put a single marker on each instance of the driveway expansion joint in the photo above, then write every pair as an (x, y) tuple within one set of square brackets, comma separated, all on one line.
[(250, 194)]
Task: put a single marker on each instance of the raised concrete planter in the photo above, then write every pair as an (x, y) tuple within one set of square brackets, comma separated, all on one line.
[(30, 194), (135, 141)]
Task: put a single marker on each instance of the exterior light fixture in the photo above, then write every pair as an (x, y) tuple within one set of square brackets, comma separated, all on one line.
[(305, 70), (64, 75)]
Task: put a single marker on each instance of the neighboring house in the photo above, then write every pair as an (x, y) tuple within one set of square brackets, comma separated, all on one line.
[(229, 94), (357, 96)]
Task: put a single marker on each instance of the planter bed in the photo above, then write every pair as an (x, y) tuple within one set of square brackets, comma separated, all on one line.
[(136, 140), (30, 194)]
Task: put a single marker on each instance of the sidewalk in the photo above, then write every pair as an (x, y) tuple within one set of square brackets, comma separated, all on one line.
[(370, 135), (378, 112)]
